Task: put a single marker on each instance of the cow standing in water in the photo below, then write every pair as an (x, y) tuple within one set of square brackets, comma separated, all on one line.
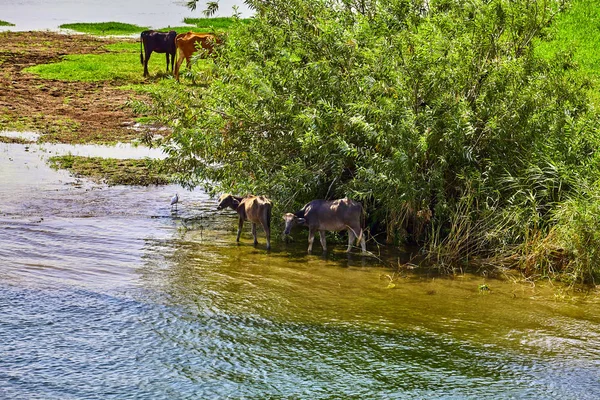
[(187, 44), (256, 209), (336, 215), (160, 42)]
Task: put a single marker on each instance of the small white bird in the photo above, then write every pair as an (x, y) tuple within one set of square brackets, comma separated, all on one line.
[(174, 201)]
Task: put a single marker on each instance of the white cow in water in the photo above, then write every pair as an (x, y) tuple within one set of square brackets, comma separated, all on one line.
[(324, 215)]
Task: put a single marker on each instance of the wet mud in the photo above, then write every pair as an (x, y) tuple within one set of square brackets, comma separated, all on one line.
[(66, 112)]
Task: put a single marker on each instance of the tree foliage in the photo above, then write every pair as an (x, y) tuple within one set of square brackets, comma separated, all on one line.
[(417, 108)]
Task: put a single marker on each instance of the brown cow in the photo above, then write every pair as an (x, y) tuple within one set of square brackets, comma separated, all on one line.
[(335, 215), (186, 46), (256, 209)]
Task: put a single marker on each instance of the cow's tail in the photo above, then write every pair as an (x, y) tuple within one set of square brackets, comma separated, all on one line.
[(142, 48)]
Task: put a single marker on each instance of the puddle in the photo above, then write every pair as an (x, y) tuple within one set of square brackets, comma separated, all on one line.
[(119, 151)]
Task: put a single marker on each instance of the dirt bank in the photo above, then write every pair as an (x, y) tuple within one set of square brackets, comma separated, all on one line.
[(67, 112)]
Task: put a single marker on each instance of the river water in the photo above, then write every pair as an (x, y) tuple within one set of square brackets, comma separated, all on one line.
[(44, 14), (107, 293)]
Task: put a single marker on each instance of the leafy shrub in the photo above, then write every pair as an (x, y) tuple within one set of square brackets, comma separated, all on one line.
[(432, 113)]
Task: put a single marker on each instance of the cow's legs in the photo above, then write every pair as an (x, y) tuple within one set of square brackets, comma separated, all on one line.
[(359, 235), (323, 240), (267, 229), (148, 53), (311, 239), (172, 61), (178, 64), (351, 237), (167, 55), (363, 244), (240, 226), (254, 233)]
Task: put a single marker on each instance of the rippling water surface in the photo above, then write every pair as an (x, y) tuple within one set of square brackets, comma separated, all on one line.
[(106, 293)]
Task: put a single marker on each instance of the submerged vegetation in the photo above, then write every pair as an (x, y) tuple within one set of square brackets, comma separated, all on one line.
[(440, 116)]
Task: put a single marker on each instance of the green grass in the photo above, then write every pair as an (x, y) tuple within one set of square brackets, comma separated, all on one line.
[(121, 63), (217, 23), (203, 25), (121, 29), (105, 28), (127, 47), (577, 30), (112, 171), (5, 23), (178, 29)]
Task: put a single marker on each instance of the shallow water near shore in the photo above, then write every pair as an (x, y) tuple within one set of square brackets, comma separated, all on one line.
[(107, 293)]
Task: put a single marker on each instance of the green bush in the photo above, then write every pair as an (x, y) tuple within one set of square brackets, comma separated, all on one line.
[(443, 120)]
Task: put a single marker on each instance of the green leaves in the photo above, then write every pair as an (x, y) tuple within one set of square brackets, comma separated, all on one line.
[(407, 108)]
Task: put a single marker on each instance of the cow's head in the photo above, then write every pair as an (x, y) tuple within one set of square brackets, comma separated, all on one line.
[(291, 220), (228, 200)]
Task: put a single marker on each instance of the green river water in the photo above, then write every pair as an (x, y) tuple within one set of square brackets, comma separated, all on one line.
[(105, 293)]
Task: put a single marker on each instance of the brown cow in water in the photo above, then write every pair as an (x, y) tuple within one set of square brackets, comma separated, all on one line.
[(256, 209), (186, 46), (335, 215), (160, 42)]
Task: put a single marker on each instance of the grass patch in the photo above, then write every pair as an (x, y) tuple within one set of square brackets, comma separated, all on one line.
[(577, 31), (124, 47), (178, 29), (6, 23), (112, 171), (222, 23), (124, 65), (121, 63), (122, 29), (10, 121), (105, 28)]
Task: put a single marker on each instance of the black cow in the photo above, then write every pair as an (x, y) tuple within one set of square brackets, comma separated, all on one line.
[(160, 42)]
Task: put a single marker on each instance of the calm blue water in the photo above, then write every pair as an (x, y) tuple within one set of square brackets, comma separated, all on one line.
[(45, 14)]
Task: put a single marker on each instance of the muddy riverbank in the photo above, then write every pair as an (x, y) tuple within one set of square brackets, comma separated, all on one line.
[(64, 112)]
